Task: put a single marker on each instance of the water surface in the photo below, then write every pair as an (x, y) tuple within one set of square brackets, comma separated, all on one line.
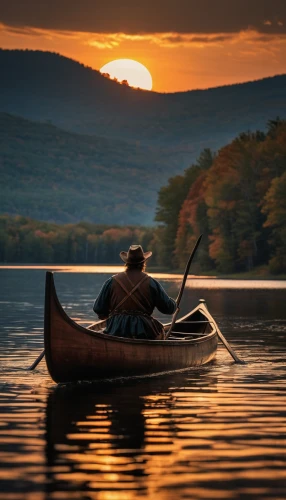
[(214, 432)]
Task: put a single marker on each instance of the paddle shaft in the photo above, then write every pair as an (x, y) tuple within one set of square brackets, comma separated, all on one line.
[(39, 358), (183, 286), (223, 339), (228, 347)]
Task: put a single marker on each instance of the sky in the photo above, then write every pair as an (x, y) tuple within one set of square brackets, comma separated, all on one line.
[(185, 44)]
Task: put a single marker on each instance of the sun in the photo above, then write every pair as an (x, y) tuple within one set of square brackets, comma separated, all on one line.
[(135, 73)]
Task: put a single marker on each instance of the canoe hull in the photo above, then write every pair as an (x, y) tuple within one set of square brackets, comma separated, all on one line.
[(76, 353)]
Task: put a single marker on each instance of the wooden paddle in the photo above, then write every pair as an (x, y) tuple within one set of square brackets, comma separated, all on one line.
[(39, 358), (221, 337), (178, 300), (228, 347)]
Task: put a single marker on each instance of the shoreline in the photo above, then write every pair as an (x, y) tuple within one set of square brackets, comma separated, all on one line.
[(258, 275)]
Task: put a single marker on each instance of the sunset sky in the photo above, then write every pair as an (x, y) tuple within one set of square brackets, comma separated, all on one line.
[(185, 44)]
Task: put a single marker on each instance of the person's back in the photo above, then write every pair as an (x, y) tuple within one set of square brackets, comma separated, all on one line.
[(129, 298)]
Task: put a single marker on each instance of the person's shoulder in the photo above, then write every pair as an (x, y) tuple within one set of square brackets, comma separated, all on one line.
[(118, 274), (118, 277), (154, 282), (108, 281), (153, 279)]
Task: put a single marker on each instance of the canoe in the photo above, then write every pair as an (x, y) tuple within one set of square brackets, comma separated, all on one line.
[(74, 352)]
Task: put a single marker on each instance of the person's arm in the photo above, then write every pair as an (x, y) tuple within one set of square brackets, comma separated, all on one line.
[(101, 304), (163, 302)]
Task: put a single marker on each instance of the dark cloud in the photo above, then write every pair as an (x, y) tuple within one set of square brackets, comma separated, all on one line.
[(189, 39), (149, 16), (211, 39), (21, 31)]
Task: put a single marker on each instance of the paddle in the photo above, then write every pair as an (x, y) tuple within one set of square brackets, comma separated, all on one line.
[(220, 335), (228, 347), (222, 338), (178, 300), (39, 358)]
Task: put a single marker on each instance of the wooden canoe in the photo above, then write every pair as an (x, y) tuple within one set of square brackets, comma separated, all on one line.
[(76, 353)]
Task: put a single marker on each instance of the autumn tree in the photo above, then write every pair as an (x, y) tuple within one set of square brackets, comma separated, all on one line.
[(274, 207), (233, 204), (236, 201), (193, 221), (170, 201)]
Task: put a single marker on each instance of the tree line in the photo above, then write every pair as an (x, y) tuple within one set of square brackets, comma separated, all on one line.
[(237, 199), (24, 240)]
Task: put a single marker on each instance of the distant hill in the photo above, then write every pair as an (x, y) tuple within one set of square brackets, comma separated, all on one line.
[(56, 175), (114, 146), (46, 86)]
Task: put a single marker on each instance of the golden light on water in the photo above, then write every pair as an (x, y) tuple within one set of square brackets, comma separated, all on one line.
[(101, 269), (207, 433)]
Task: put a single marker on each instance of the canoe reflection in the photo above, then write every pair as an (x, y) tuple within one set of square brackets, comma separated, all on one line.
[(98, 434), (110, 437)]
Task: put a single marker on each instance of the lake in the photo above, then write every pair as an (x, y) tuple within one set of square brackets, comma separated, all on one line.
[(215, 432)]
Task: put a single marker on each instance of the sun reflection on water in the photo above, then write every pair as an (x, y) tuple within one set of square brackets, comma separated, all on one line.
[(213, 432)]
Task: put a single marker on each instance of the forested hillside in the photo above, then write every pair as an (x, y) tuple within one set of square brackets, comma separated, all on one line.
[(237, 199), (54, 175)]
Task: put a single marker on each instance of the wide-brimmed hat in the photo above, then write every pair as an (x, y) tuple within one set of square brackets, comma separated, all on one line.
[(135, 255)]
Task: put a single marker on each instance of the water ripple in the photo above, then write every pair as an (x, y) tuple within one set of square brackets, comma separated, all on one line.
[(215, 432)]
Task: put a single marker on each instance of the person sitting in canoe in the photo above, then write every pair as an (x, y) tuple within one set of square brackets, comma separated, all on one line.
[(128, 299)]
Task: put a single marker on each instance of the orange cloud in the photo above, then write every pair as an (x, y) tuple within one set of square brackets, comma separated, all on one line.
[(168, 40)]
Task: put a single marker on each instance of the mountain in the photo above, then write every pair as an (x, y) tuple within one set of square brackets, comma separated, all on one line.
[(55, 175), (46, 86), (101, 150)]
